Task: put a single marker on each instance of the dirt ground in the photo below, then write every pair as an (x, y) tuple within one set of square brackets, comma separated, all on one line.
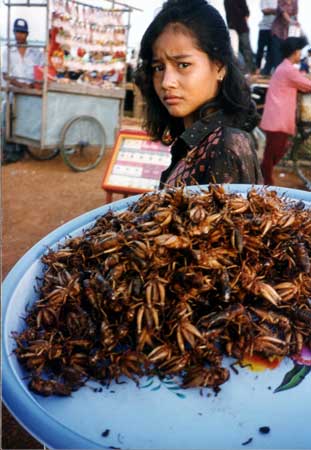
[(37, 197)]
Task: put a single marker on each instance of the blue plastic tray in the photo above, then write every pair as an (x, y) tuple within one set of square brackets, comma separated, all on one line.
[(158, 414)]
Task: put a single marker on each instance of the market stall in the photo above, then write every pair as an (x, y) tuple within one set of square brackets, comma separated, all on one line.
[(75, 102)]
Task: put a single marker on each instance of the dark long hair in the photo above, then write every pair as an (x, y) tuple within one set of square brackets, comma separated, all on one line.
[(205, 24)]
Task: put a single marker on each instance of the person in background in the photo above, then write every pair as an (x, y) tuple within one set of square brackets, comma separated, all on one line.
[(309, 59), (304, 66), (268, 8), (20, 74), (237, 14), (131, 66), (196, 97), (279, 115), (287, 13), (22, 58), (234, 39), (305, 63)]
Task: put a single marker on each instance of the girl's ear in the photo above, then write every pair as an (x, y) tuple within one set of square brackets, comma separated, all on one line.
[(221, 69)]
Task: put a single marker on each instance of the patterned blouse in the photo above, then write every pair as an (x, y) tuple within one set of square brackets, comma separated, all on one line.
[(212, 152), (280, 25)]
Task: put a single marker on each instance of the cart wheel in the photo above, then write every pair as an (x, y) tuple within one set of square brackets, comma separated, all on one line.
[(41, 154), (303, 170), (82, 143), (302, 161)]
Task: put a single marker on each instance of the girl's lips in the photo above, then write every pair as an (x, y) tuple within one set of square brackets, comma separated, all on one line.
[(171, 100)]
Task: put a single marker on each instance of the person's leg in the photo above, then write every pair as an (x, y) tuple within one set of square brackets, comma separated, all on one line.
[(260, 47), (245, 49), (282, 149), (276, 52), (268, 64), (275, 149), (10, 152), (234, 38), (2, 119), (269, 61)]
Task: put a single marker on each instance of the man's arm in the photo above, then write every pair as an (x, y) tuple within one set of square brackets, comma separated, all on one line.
[(268, 11), (16, 83), (227, 9), (12, 81), (244, 8), (282, 6)]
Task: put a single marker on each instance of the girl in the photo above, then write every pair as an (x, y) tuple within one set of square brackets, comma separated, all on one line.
[(196, 97)]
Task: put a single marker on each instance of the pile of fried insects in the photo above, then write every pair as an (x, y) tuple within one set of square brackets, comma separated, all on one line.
[(169, 287)]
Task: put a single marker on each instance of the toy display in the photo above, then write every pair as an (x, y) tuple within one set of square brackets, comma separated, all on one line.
[(87, 44)]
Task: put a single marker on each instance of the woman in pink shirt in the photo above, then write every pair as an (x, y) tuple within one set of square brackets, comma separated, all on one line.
[(279, 116)]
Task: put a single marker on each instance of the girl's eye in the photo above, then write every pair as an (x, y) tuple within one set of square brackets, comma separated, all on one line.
[(157, 68), (183, 65)]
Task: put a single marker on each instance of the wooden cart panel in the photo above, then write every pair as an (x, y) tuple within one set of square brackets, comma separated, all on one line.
[(27, 117), (60, 108)]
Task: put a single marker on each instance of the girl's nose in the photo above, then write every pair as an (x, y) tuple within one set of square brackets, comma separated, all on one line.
[(169, 79)]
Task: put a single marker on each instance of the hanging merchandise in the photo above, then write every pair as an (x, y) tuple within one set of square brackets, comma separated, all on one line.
[(88, 44)]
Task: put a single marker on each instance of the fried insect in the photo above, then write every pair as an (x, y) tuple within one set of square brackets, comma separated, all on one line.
[(169, 287)]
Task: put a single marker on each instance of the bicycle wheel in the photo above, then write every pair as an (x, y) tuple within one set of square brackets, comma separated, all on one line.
[(302, 161), (82, 143), (42, 154)]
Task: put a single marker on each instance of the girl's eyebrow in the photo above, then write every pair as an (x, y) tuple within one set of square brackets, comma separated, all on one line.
[(173, 58)]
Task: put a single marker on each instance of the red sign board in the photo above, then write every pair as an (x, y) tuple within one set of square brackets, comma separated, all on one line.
[(136, 163)]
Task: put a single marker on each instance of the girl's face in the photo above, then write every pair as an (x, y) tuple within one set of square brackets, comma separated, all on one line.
[(184, 77)]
